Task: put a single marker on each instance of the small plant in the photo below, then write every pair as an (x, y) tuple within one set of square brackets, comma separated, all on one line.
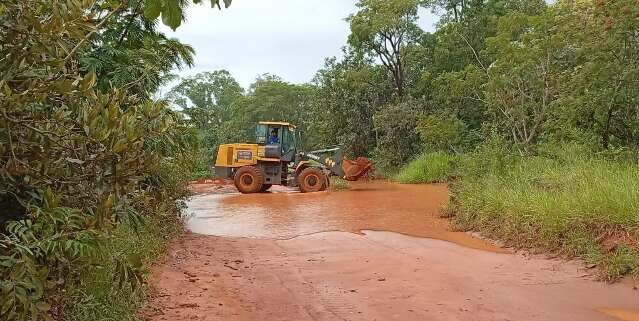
[(338, 184)]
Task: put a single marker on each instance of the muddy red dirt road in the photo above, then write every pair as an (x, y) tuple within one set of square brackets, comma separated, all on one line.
[(379, 251)]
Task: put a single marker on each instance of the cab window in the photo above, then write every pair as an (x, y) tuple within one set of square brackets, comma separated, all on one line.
[(288, 140), (261, 134)]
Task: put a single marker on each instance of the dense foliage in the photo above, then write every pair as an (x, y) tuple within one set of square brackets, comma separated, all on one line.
[(84, 152)]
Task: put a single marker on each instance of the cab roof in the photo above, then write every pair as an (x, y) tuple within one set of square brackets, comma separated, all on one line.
[(281, 123)]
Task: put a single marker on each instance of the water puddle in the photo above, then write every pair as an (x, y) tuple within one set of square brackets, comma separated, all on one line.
[(621, 314), (380, 206)]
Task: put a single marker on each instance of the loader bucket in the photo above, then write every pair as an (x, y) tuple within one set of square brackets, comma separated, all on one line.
[(354, 170)]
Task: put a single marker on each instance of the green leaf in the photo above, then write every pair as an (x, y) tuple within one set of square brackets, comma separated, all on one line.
[(172, 14), (135, 261), (5, 88), (88, 81), (43, 306), (8, 304), (152, 9), (120, 146)]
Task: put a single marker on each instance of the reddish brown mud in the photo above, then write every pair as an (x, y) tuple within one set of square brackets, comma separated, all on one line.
[(380, 206), (217, 186), (271, 260)]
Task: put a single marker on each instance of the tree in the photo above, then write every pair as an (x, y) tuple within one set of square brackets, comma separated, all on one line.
[(601, 90), (130, 54), (442, 133), (523, 82), (462, 95), (385, 28), (207, 101), (348, 94), (269, 98), (397, 140), (460, 10), (207, 97)]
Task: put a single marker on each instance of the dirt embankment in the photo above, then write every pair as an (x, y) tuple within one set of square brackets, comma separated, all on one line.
[(288, 256)]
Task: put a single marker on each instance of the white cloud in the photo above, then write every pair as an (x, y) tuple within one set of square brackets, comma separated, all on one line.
[(289, 38)]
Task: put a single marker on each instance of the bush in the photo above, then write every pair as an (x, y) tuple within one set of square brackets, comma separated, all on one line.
[(338, 184), (429, 168), (397, 140), (96, 298), (441, 133), (571, 203)]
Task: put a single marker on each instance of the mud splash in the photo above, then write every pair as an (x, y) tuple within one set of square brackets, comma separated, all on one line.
[(621, 314), (284, 214)]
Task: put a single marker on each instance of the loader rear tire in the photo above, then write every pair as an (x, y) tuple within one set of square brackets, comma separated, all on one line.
[(265, 188), (311, 179), (249, 179)]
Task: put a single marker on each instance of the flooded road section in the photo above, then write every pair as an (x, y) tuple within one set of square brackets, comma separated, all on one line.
[(285, 256), (283, 214)]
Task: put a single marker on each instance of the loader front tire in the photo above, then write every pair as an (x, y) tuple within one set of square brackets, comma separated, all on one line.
[(311, 179), (249, 179)]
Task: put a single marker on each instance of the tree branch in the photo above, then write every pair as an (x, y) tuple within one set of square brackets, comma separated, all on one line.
[(95, 29)]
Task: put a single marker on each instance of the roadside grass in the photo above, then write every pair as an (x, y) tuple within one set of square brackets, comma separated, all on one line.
[(99, 297), (577, 206), (435, 167), (570, 203)]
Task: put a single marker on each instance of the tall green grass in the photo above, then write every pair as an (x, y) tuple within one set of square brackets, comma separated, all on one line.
[(566, 201), (578, 206), (428, 168), (98, 297)]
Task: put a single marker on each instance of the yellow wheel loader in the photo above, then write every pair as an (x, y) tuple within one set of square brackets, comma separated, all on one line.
[(274, 159)]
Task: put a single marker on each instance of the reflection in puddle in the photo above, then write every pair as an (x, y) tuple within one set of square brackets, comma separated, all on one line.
[(407, 209)]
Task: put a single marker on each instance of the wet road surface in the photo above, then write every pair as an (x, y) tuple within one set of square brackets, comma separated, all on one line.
[(377, 252), (283, 214)]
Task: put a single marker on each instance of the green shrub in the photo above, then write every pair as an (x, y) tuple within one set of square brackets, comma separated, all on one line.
[(397, 140), (338, 184), (428, 168), (203, 162), (96, 297), (567, 202), (441, 133)]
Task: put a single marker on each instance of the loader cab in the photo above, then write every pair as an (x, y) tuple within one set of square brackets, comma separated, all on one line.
[(278, 138)]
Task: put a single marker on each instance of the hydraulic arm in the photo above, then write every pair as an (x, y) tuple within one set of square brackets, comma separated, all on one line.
[(333, 160)]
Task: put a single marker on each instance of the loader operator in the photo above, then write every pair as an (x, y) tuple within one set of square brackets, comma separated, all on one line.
[(274, 139)]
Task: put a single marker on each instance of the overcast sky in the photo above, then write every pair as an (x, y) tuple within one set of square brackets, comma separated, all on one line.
[(288, 38)]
